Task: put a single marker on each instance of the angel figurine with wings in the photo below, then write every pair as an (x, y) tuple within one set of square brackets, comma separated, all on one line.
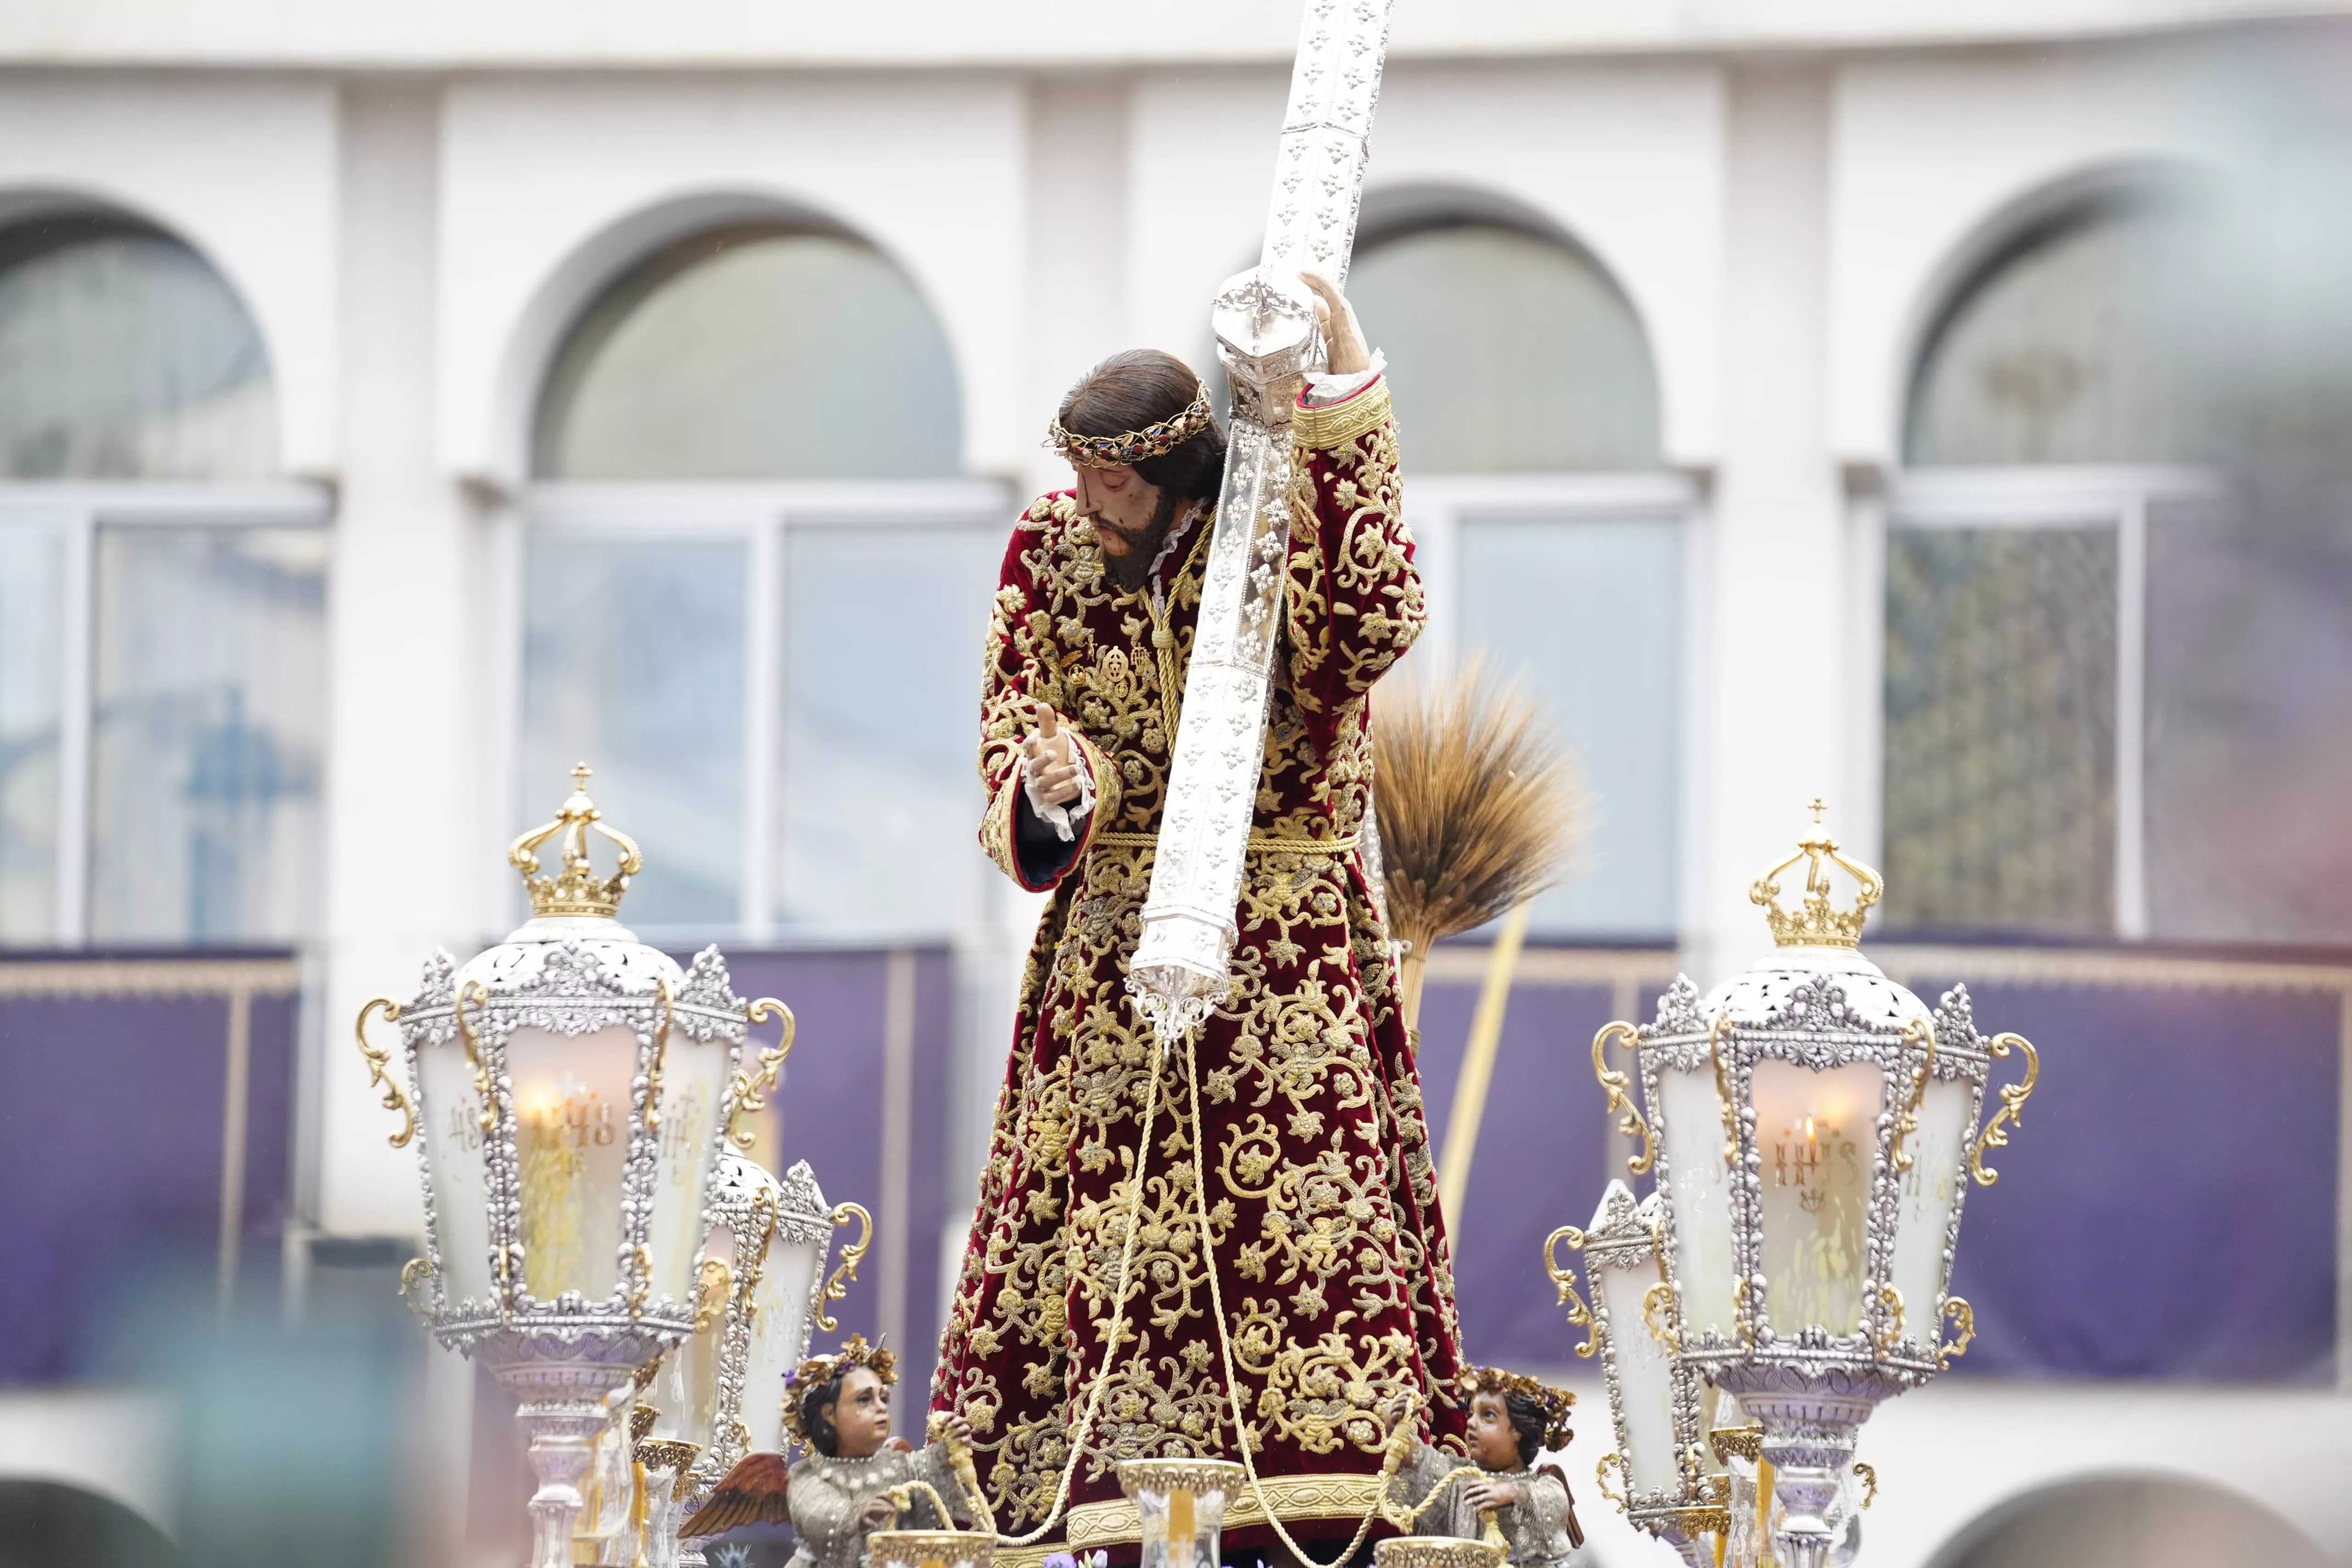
[(855, 1477)]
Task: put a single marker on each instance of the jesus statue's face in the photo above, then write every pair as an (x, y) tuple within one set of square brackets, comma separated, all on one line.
[(1121, 505)]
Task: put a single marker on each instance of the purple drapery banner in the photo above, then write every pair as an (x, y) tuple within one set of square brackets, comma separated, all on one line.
[(115, 1129), (2169, 1208)]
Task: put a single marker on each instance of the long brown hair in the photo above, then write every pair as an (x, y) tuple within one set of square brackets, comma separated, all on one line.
[(1140, 387)]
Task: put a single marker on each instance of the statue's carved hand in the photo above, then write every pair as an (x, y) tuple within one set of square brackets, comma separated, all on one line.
[(1343, 338), (1051, 762)]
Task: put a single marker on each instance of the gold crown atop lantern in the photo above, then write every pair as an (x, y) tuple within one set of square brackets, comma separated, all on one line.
[(1815, 924), (577, 889)]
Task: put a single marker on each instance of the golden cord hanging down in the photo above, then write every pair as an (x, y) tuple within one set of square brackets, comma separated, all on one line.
[(1480, 809)]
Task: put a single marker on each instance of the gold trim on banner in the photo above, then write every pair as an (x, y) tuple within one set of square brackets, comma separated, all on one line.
[(101, 977), (1295, 1498)]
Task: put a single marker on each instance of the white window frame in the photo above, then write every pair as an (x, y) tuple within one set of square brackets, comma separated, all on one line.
[(760, 516), (1436, 507), (73, 512), (2057, 496)]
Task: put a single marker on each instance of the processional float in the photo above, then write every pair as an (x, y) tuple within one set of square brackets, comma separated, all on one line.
[(1813, 1128), (589, 1237)]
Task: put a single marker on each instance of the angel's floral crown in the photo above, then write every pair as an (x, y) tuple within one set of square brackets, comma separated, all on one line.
[(823, 1369), (1555, 1403)]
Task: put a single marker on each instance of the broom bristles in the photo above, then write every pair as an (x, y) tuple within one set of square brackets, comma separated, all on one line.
[(1480, 809)]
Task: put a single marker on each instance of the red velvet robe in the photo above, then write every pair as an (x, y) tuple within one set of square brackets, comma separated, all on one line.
[(1330, 1257)]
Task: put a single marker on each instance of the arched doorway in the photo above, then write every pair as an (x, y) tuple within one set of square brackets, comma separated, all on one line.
[(2129, 1521), (47, 1524), (162, 635), (753, 587)]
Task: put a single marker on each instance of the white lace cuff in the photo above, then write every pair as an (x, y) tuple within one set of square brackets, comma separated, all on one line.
[(1062, 819), (1324, 389)]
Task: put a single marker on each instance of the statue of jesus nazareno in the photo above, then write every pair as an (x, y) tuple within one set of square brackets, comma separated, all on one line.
[(1289, 1127)]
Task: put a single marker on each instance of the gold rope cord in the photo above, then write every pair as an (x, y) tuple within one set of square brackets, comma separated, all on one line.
[(1117, 1311), (1225, 1349)]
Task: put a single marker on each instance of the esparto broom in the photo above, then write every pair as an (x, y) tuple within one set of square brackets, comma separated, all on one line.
[(1480, 809)]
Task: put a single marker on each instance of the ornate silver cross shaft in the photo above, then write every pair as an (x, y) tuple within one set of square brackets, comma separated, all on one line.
[(1265, 323)]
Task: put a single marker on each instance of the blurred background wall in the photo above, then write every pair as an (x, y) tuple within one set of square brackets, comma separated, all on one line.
[(1943, 409)]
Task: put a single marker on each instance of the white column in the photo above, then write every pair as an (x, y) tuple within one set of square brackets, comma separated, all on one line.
[(403, 772), (1774, 704)]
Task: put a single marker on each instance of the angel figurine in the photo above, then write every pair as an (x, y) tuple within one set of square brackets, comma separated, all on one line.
[(1513, 1419), (854, 1478)]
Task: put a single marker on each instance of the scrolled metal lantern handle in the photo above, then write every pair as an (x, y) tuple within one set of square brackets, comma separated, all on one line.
[(1658, 1316), (1563, 1279), (1915, 1032), (1957, 1310), (752, 1089), (379, 1065), (1890, 1328), (1626, 1475), (1616, 1084), (2013, 1096), (851, 1257)]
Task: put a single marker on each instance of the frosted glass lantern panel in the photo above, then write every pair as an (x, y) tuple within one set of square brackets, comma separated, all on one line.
[(694, 1074), (1700, 1190), (572, 1141), (685, 1395), (780, 1335), (1816, 1132), (32, 668), (450, 1112), (1927, 1193), (1645, 1377)]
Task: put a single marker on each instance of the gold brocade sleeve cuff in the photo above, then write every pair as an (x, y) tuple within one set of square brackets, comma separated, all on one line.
[(1338, 424)]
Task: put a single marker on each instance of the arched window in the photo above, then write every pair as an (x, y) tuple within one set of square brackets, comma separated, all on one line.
[(2115, 581), (1513, 353), (754, 586), (2144, 1521), (162, 634), (124, 356), (1550, 533), (754, 355)]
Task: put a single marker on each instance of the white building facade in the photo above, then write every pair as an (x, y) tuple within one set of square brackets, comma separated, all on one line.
[(656, 384)]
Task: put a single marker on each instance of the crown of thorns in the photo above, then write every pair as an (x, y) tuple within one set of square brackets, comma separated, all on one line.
[(1555, 1403), (1136, 446), (882, 1362)]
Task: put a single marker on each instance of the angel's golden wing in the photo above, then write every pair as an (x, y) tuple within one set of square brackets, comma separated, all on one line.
[(751, 1493)]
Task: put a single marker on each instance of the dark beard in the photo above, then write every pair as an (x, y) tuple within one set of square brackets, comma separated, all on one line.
[(1131, 570)]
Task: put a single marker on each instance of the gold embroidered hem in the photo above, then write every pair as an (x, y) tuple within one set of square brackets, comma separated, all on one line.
[(1339, 1497), (1340, 424)]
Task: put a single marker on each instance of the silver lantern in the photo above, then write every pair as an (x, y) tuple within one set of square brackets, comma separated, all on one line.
[(1815, 1128), (570, 1084), (1669, 1482), (763, 1295)]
